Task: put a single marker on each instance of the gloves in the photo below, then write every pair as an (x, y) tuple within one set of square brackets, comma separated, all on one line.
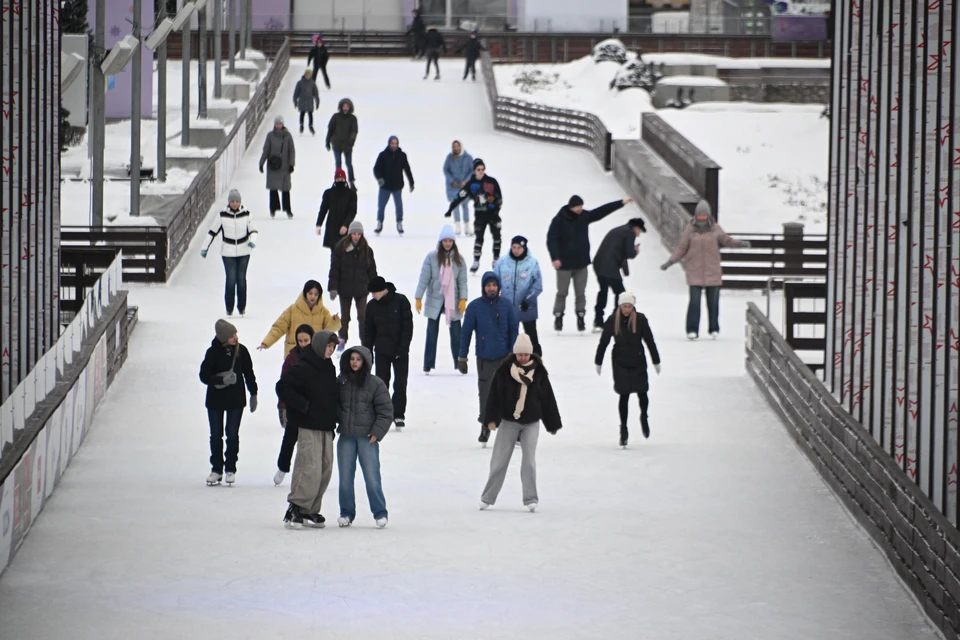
[(599, 369), (419, 304), (744, 244), (463, 307), (524, 306), (253, 403), (328, 146), (291, 169), (203, 253), (333, 295), (319, 230), (261, 168), (381, 181), (656, 368), (666, 265), (411, 187), (251, 244), (462, 365)]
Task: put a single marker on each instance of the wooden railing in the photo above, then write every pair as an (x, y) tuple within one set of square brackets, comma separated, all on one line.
[(772, 258)]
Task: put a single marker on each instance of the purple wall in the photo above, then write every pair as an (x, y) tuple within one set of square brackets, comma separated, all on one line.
[(268, 15), (119, 13), (799, 28)]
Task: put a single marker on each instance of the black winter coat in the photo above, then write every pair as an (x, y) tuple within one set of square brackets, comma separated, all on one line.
[(618, 246), (349, 272), (390, 167), (306, 97), (389, 324), (309, 390), (318, 56), (418, 26), (339, 207), (472, 47), (220, 359), (342, 129), (434, 42), (539, 405), (629, 358), (568, 239)]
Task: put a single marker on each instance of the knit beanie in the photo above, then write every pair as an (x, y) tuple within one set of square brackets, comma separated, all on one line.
[(224, 331), (355, 227), (377, 284), (523, 344), (628, 298), (447, 234), (478, 162), (575, 201), (339, 174), (520, 240), (703, 207), (234, 196), (278, 120)]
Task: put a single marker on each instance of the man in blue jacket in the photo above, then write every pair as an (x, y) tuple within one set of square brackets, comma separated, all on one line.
[(495, 323), (522, 282)]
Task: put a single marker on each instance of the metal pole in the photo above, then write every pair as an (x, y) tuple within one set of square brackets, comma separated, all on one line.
[(185, 87), (98, 120), (162, 102), (217, 46), (249, 44), (243, 29), (202, 63), (232, 26), (135, 113)]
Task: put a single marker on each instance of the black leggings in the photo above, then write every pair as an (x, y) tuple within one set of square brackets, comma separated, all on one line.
[(625, 401)]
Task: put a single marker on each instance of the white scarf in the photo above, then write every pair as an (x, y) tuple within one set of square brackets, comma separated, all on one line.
[(525, 377)]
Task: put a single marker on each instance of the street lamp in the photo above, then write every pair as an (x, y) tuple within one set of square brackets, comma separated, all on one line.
[(200, 8)]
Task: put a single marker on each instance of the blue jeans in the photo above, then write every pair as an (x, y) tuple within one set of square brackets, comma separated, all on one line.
[(236, 272), (433, 334), (465, 207), (215, 416), (349, 448), (348, 156), (382, 198), (713, 309)]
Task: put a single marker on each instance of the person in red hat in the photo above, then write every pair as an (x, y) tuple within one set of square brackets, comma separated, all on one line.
[(338, 207)]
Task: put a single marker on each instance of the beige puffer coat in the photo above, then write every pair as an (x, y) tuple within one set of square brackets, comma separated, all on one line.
[(701, 250)]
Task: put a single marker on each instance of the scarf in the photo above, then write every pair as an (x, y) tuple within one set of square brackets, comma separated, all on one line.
[(523, 375), (448, 290)]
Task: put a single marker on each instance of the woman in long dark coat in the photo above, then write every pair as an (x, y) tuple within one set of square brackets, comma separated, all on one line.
[(352, 267), (630, 332), (339, 208), (279, 155)]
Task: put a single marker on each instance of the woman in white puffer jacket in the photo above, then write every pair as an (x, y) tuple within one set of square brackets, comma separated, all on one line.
[(238, 238)]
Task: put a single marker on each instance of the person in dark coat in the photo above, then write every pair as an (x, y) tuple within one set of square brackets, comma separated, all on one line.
[(304, 336), (434, 44), (226, 369), (568, 241), (487, 202), (306, 98), (419, 30), (630, 331), (319, 56), (389, 168), (618, 246), (309, 391), (471, 48), (352, 267), (493, 319), (339, 208), (279, 155), (520, 397), (342, 135), (387, 333)]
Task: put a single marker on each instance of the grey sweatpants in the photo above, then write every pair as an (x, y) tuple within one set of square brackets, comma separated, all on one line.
[(579, 277), (485, 371), (312, 469), (503, 448)]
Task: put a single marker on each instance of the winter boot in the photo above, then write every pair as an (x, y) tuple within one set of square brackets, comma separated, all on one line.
[(293, 519), (581, 322), (379, 227), (558, 322), (456, 228), (484, 436), (214, 478), (624, 435), (475, 266), (400, 227), (645, 426)]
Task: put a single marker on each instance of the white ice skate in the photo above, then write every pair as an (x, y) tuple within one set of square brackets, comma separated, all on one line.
[(456, 227), (714, 334), (214, 478), (691, 336), (532, 506), (344, 522), (278, 477), (381, 523), (467, 231), (231, 478), (484, 506)]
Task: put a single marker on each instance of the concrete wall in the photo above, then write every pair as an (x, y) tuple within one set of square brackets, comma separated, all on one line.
[(572, 15), (351, 15)]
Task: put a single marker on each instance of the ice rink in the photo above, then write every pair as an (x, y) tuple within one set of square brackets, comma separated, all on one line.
[(715, 528)]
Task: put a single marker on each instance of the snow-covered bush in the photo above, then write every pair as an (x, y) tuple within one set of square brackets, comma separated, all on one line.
[(636, 74), (610, 49), (536, 80)]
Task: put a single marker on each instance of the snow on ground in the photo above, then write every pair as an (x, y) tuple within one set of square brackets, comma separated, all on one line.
[(717, 527)]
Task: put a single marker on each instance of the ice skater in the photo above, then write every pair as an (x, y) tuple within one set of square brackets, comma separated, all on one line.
[(319, 56), (306, 98), (487, 202), (304, 336), (442, 291), (238, 238), (471, 48)]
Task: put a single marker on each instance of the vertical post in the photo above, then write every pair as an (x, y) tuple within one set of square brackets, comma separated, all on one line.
[(185, 86), (202, 62), (162, 101), (99, 104), (217, 47), (135, 112), (448, 11), (249, 43), (793, 248), (232, 27), (243, 29)]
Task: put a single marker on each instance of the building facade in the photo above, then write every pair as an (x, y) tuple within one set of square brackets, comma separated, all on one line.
[(29, 197), (894, 226)]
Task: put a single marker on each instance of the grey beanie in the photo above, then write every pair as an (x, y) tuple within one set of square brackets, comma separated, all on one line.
[(234, 196), (703, 207), (224, 331), (355, 227), (320, 341), (278, 120)]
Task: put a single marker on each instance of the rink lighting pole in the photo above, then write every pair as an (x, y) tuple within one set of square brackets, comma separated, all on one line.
[(162, 102), (185, 84), (201, 6), (232, 28), (135, 104), (217, 47), (97, 124)]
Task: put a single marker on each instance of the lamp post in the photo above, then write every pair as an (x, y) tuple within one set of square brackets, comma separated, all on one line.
[(135, 113), (243, 29), (217, 47), (162, 102), (200, 6), (98, 88), (232, 27), (185, 85)]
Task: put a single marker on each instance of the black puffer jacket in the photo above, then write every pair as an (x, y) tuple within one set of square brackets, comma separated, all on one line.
[(618, 246), (351, 269), (339, 207), (390, 167), (389, 324), (629, 358), (472, 47), (319, 55), (434, 42), (219, 359), (309, 390), (568, 239), (342, 129), (539, 405), (365, 405)]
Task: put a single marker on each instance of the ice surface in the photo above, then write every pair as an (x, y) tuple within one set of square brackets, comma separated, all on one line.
[(716, 528)]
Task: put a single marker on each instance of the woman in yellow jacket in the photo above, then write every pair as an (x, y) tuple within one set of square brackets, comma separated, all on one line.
[(308, 309)]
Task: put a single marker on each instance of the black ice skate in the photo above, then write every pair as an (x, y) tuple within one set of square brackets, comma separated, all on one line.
[(437, 78), (301, 128), (581, 323), (645, 426), (289, 215), (400, 228), (314, 520), (312, 132), (293, 519), (558, 322), (484, 436), (379, 227), (624, 435), (475, 266), (399, 423)]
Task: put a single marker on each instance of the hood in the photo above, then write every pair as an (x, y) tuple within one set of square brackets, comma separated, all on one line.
[(364, 353), (567, 213), (488, 277), (345, 101), (301, 303), (318, 345)]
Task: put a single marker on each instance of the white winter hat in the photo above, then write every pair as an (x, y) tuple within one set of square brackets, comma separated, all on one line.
[(523, 344), (628, 298), (447, 233)]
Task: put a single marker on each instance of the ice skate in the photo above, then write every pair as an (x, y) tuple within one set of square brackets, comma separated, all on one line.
[(691, 336), (581, 323), (494, 264), (341, 345), (289, 215), (437, 78), (400, 228), (381, 523), (343, 521), (456, 227), (475, 267), (467, 231), (229, 314), (714, 334), (214, 478), (273, 214), (558, 322), (484, 506), (301, 129), (353, 185), (426, 76), (312, 132), (532, 507), (278, 477), (399, 424), (231, 478), (314, 520), (624, 435), (484, 436), (645, 426), (293, 519), (379, 227)]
